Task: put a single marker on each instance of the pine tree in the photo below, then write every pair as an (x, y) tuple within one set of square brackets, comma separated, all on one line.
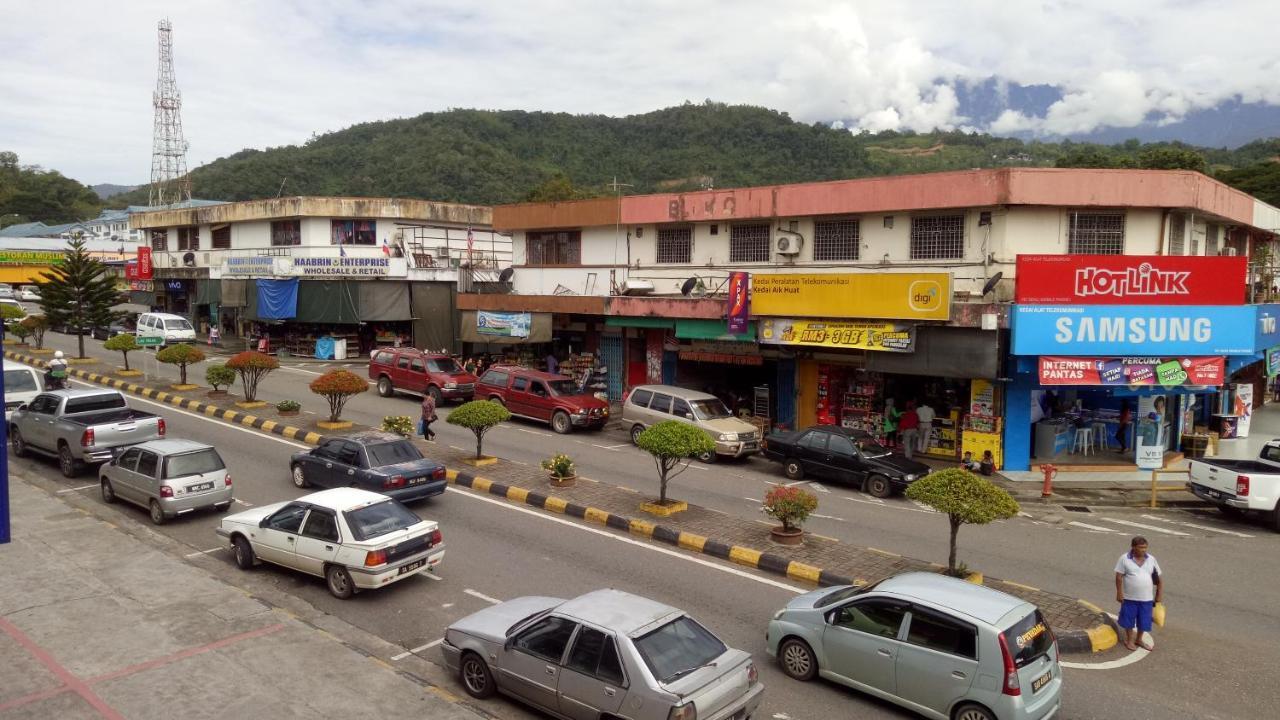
[(78, 293)]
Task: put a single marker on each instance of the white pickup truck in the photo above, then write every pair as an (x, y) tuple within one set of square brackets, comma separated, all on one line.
[(1237, 486)]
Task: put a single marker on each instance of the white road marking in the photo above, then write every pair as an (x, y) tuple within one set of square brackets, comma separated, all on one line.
[(519, 462), (294, 369), (790, 484), (459, 449), (818, 487), (1087, 526), (430, 576), (630, 541), (828, 517), (1023, 514), (866, 498), (695, 465), (482, 596), (923, 507), (1198, 527), (76, 489), (1155, 528), (252, 431), (204, 552), (1129, 659), (613, 448), (534, 432), (244, 502), (418, 649)]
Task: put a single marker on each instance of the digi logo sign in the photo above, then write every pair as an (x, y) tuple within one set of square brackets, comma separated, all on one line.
[(924, 295)]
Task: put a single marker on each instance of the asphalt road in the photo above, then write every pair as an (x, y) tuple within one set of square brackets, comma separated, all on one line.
[(1214, 660)]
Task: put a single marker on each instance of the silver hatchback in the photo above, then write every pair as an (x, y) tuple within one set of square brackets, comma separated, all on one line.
[(943, 647), (168, 477)]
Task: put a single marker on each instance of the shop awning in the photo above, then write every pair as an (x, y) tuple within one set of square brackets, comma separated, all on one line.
[(640, 322), (539, 331), (712, 330), (233, 293), (277, 299), (327, 302), (208, 292), (384, 300), (964, 353)]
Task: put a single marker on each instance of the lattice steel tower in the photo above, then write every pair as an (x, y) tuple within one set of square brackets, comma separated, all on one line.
[(169, 181)]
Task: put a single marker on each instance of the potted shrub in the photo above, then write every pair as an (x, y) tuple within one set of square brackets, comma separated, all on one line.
[(337, 387), (288, 408), (790, 506), (561, 470), (219, 378), (37, 324), (20, 331), (401, 425)]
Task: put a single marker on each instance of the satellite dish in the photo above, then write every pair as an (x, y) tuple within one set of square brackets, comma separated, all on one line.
[(991, 284), (189, 259), (688, 286), (505, 275)]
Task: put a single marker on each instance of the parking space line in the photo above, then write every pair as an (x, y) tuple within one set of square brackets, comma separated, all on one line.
[(64, 491), (430, 576), (243, 502), (1087, 526), (613, 448), (482, 596), (1199, 527), (418, 649), (1155, 528), (204, 552)]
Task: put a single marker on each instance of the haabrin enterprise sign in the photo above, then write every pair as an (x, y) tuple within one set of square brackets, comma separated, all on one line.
[(1121, 330)]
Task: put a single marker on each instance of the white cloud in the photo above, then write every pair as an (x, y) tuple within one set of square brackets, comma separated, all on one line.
[(76, 76)]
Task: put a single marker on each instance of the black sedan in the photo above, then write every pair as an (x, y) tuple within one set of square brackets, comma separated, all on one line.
[(100, 332), (371, 460), (850, 456)]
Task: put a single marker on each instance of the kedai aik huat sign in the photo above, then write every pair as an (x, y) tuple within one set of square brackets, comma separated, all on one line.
[(1113, 330), (1131, 280)]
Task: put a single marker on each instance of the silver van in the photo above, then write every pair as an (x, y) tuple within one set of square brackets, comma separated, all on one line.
[(940, 646), (651, 404), (169, 478)]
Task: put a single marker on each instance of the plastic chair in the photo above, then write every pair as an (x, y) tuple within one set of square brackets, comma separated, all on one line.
[(1084, 441), (1102, 440)]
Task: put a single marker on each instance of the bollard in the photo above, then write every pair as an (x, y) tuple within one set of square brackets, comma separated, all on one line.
[(1049, 473)]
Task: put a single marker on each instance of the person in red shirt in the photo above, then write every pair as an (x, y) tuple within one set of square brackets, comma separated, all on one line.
[(909, 428)]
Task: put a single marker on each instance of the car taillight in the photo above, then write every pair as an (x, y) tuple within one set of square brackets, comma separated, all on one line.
[(1242, 483), (753, 675), (227, 480), (435, 538), (86, 439), (160, 427), (1011, 685), (394, 481), (166, 491), (438, 473), (375, 557), (683, 712)]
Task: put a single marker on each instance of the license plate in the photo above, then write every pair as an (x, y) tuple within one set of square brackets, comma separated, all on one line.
[(1041, 681), (417, 481), (200, 487), (413, 566), (1213, 494)]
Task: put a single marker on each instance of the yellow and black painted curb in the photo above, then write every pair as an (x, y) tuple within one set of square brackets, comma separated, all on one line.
[(203, 408)]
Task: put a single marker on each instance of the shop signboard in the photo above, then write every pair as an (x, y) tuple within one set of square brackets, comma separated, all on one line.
[(142, 285), (1267, 329), (1113, 330), (31, 257), (727, 353), (342, 266), (1273, 361), (1131, 280), (503, 324), (889, 296), (982, 398), (1126, 371), (1148, 456), (884, 337), (146, 269), (739, 304), (259, 266)]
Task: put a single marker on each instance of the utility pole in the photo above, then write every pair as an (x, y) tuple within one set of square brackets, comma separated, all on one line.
[(4, 466), (169, 180)]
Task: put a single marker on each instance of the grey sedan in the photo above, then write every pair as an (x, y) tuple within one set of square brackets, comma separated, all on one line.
[(604, 654), (168, 477)]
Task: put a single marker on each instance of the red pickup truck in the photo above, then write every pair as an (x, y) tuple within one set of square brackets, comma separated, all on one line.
[(544, 397), (413, 371)]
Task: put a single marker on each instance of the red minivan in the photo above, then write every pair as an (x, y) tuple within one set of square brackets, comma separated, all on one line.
[(411, 370), (544, 397)]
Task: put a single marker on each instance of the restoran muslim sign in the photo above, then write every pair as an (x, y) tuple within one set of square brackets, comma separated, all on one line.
[(1120, 331)]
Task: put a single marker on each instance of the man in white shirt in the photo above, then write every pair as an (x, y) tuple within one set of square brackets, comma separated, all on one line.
[(926, 415), (1139, 586)]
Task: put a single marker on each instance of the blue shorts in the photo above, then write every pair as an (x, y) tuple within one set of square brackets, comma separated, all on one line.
[(1136, 613)]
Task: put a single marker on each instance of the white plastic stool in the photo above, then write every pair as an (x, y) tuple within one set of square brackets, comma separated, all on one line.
[(1101, 440), (1084, 441)]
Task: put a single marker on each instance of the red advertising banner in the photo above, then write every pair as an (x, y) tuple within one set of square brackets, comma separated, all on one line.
[(1166, 372), (144, 263), (739, 307), (131, 270), (1131, 280)]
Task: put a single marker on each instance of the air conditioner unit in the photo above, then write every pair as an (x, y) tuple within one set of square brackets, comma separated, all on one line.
[(637, 287), (1227, 251), (788, 244), (442, 251)]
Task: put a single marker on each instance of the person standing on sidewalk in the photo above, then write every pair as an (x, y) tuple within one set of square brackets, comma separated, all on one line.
[(1122, 432), (926, 415), (909, 427), (428, 417), (1138, 588)]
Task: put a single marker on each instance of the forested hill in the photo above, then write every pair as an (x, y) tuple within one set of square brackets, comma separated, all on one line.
[(491, 157)]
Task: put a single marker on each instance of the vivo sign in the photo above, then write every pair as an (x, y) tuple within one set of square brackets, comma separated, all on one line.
[(1131, 280), (1133, 331)]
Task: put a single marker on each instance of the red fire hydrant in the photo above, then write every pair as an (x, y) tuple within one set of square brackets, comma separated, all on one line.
[(1049, 473)]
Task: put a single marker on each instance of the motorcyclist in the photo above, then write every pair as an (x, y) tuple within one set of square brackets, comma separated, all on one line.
[(56, 377)]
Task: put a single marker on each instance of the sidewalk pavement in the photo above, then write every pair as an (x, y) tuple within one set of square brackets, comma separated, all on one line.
[(95, 622)]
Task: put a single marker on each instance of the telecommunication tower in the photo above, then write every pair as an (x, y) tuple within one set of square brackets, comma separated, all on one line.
[(169, 181)]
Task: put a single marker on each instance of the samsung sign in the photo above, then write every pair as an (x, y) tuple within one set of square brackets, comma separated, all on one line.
[(1115, 330)]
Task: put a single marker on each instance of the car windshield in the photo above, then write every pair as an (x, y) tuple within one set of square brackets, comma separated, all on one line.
[(193, 463), (563, 387), (870, 447), (380, 518), (20, 381), (843, 594), (711, 409), (443, 365), (678, 647), (1029, 638), (393, 453)]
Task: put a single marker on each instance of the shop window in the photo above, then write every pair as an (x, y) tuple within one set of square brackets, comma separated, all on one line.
[(1096, 233), (221, 237), (353, 232), (160, 240), (748, 243), (1211, 239), (836, 240), (286, 232), (675, 245), (558, 247), (937, 237), (188, 238), (1177, 233)]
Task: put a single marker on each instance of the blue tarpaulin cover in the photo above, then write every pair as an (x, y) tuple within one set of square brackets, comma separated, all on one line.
[(324, 348), (277, 299)]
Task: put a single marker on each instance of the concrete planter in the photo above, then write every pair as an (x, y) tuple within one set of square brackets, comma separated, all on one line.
[(671, 507), (183, 388), (128, 373), (340, 425), (562, 482), (288, 413), (480, 461), (251, 405)]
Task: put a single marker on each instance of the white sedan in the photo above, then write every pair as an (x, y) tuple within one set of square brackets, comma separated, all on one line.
[(29, 294), (354, 539)]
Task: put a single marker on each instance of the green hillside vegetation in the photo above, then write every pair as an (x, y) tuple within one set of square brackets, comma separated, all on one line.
[(29, 193)]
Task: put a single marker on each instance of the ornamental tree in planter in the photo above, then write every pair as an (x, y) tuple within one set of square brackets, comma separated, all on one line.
[(965, 498), (19, 331), (337, 387), (125, 343), (181, 355), (38, 324), (479, 416), (219, 377), (673, 445), (790, 506), (252, 366)]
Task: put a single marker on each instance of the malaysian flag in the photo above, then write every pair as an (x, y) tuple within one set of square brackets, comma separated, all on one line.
[(386, 249), (342, 250)]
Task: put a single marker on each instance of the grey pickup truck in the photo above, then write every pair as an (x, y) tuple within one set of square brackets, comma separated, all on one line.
[(80, 427)]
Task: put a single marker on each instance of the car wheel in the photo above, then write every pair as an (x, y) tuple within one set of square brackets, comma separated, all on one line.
[(436, 396), (157, 513), (476, 678), (108, 492), (878, 486), (339, 581), (560, 422), (973, 712), (19, 445), (635, 434), (1275, 518), (707, 457), (67, 461), (385, 388), (243, 552), (797, 660), (496, 399), (793, 470), (300, 477)]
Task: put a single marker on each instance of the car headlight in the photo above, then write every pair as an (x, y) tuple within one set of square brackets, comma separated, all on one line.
[(728, 437), (910, 477), (450, 386)]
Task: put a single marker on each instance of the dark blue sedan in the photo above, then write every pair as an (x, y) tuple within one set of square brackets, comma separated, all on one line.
[(372, 460)]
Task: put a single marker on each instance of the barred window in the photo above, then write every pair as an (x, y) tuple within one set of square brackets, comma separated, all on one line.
[(749, 243), (221, 237), (188, 238), (836, 239), (675, 245), (160, 240), (1211, 239), (937, 237), (1096, 233), (1195, 241), (286, 232), (558, 247), (1177, 233)]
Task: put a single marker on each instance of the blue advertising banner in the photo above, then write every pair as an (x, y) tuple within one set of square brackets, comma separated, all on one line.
[(1121, 330), (1266, 329), (504, 324)]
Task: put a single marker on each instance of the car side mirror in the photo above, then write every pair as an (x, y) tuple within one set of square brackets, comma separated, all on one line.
[(263, 522)]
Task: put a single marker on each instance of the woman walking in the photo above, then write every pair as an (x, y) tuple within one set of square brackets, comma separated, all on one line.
[(428, 417)]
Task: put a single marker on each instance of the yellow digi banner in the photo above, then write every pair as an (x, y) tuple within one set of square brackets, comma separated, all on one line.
[(885, 337), (892, 296)]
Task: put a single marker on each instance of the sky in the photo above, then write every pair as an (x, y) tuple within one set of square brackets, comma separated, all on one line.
[(76, 77)]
